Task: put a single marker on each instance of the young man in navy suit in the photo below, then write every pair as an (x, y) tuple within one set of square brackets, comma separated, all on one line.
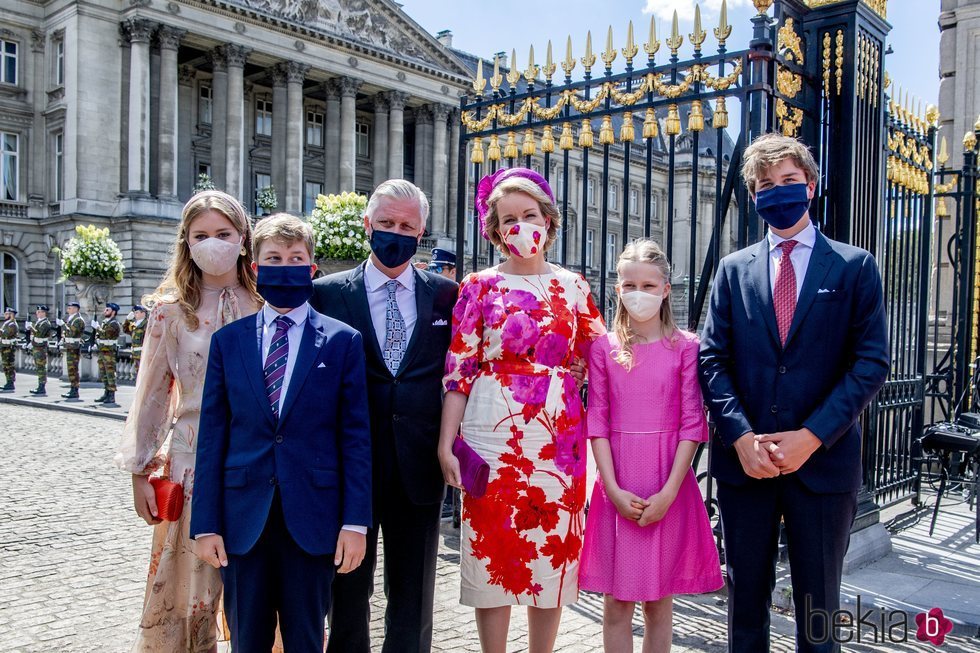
[(282, 492), (793, 349)]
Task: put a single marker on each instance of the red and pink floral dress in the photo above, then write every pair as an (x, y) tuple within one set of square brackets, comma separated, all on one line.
[(514, 337)]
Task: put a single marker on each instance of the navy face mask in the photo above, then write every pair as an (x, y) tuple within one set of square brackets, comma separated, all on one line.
[(285, 286), (782, 206), (393, 249)]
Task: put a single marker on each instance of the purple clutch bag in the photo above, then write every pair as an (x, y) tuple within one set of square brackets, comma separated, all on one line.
[(474, 472)]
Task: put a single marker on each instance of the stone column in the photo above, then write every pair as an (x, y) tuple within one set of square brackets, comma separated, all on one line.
[(331, 135), (235, 133), (379, 146), (348, 115), (185, 174), (451, 215), (427, 148), (219, 109), (169, 38), (279, 127), (295, 74), (138, 31), (440, 175), (422, 117), (396, 134)]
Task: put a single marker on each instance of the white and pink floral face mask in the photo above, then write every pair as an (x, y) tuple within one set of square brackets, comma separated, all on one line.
[(215, 256), (526, 239)]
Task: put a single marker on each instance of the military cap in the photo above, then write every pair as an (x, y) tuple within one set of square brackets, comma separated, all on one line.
[(112, 305), (10, 309), (41, 307), (75, 304), (443, 257), (139, 307)]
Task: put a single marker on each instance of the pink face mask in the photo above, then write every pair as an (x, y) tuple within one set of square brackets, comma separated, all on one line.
[(215, 256), (525, 239)]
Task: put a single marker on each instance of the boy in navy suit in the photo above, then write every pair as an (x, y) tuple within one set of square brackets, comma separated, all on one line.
[(282, 491), (793, 349)]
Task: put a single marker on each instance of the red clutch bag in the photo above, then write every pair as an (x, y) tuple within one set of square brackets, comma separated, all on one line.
[(170, 498)]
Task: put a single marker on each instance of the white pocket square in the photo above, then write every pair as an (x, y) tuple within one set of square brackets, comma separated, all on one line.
[(823, 290), (320, 365), (440, 323)]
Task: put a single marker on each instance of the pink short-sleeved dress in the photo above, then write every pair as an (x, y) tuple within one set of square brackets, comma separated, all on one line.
[(645, 412)]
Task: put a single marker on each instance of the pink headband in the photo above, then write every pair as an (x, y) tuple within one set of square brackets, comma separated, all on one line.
[(489, 182)]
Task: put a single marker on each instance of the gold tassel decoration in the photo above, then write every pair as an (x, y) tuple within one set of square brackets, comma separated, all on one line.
[(585, 134), (493, 150), (651, 128), (695, 119), (476, 155), (673, 124), (626, 133), (528, 147), (510, 149), (566, 140), (720, 119), (606, 134), (547, 140), (941, 210)]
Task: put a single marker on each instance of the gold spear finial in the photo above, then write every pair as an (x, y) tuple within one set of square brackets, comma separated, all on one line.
[(513, 75), (549, 63), (943, 156), (568, 65), (652, 44), (532, 70), (497, 78), (976, 125), (479, 83), (609, 56), (676, 40), (698, 35), (589, 59), (724, 30), (630, 50)]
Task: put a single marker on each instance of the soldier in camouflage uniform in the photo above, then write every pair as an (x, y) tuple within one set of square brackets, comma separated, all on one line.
[(135, 326), (107, 340), (41, 332), (8, 344), (71, 340)]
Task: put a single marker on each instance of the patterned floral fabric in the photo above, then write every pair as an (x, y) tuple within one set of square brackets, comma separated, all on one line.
[(183, 593), (514, 338)]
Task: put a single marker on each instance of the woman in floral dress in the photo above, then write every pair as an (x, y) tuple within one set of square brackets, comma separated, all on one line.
[(209, 284), (517, 329)]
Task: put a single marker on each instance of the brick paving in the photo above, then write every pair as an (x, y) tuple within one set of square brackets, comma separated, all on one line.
[(73, 557)]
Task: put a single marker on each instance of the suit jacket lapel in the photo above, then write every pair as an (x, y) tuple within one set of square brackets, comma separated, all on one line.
[(423, 321), (308, 354), (759, 275), (816, 272), (355, 298), (250, 344)]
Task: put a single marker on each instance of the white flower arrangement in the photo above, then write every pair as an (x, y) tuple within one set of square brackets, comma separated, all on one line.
[(91, 254), (203, 183), (266, 199), (338, 225)]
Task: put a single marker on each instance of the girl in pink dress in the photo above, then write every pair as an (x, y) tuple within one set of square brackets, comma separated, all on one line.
[(647, 535)]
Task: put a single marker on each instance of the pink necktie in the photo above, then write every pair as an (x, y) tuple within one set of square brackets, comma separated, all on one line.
[(275, 362), (784, 293)]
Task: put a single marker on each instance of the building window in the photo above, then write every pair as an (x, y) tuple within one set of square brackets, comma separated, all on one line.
[(59, 166), (634, 201), (204, 105), (263, 117), (614, 197), (59, 63), (611, 252), (362, 131), (8, 280), (610, 309), (654, 209), (204, 169), (9, 172), (309, 199), (589, 240), (314, 129), (560, 185), (8, 62), (590, 191), (261, 181)]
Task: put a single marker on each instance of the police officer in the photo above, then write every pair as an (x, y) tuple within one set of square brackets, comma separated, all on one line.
[(71, 340), (41, 332), (107, 339), (443, 262), (135, 326), (8, 344)]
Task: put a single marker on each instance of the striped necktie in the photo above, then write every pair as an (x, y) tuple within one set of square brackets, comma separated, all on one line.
[(275, 362)]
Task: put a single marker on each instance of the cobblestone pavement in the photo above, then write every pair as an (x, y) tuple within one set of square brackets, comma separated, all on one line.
[(73, 557)]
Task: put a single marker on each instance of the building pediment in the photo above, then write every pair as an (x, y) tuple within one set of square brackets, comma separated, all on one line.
[(379, 24)]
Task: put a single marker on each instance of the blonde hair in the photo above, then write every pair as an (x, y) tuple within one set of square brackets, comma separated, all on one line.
[(181, 283), (516, 184), (285, 229), (771, 149), (641, 250)]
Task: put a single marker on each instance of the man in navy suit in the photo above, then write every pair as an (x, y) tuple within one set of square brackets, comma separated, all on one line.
[(282, 491), (793, 349), (404, 315)]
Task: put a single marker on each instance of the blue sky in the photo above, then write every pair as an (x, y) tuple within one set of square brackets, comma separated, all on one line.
[(483, 28)]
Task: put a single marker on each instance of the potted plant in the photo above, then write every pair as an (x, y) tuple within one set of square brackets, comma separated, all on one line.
[(203, 182), (338, 225), (93, 262), (266, 199)]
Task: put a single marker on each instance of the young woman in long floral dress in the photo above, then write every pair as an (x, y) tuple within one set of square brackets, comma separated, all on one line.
[(209, 284), (517, 329)]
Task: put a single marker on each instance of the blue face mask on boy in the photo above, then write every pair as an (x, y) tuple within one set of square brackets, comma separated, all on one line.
[(285, 286), (782, 206)]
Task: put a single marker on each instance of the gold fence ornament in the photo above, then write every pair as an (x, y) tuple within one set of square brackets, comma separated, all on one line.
[(631, 49), (970, 141), (476, 154), (510, 148), (626, 131), (567, 139), (943, 156), (568, 65), (826, 64), (589, 59), (695, 117), (478, 82), (606, 134), (676, 40), (650, 125), (788, 42), (720, 118), (531, 73), (762, 6), (513, 75), (840, 60), (547, 140), (585, 134), (724, 30), (497, 78), (652, 45), (941, 210), (528, 146), (698, 36), (609, 54), (493, 149), (673, 124), (549, 65), (722, 83)]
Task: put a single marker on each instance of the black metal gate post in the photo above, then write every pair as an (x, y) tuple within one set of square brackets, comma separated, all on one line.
[(966, 341)]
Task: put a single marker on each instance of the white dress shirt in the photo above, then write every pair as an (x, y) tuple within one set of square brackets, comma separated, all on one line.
[(377, 296), (800, 256)]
